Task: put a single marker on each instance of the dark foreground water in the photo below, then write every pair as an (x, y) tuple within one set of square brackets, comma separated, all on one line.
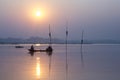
[(94, 62)]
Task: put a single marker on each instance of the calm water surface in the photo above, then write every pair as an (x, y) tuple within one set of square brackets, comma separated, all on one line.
[(94, 62)]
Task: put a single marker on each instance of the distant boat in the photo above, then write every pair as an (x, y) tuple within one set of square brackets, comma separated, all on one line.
[(19, 46)]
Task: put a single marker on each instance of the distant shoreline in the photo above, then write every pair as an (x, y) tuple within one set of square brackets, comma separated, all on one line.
[(36, 40)]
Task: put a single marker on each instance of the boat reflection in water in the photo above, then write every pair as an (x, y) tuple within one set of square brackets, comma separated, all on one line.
[(31, 53), (38, 68)]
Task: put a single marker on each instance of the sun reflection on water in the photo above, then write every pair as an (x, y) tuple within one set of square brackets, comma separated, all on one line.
[(37, 44), (38, 70)]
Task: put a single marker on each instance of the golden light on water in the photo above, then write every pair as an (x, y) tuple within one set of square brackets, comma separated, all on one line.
[(38, 70), (37, 44)]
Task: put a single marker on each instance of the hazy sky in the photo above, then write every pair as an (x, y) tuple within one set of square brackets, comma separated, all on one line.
[(100, 19)]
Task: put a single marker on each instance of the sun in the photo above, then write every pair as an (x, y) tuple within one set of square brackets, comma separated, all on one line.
[(38, 13)]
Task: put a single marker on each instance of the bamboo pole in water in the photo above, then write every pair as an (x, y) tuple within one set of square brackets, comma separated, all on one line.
[(81, 49), (66, 51), (50, 41)]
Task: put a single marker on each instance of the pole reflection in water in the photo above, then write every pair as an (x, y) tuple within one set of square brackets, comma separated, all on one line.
[(50, 57), (38, 70), (82, 60)]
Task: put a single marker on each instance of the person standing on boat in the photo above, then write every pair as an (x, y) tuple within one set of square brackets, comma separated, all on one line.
[(32, 48), (49, 49)]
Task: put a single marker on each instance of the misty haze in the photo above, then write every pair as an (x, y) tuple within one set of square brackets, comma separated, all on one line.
[(59, 39)]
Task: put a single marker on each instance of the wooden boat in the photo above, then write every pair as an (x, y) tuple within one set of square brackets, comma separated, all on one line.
[(47, 50), (30, 50)]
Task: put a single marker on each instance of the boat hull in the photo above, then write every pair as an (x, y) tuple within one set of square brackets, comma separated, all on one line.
[(38, 50)]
